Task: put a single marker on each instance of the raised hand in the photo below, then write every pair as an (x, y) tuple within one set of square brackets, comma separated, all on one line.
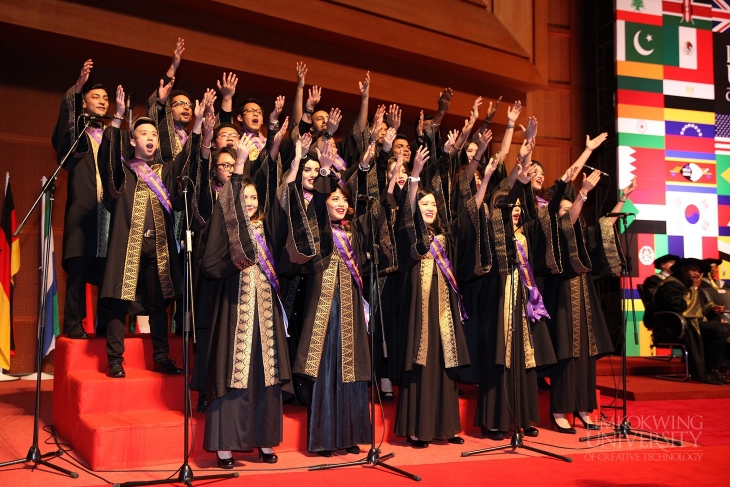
[(315, 94), (513, 112), (228, 86), (388, 139), (491, 167), (278, 107), (628, 189), (368, 156), (177, 54), (84, 75), (483, 141), (377, 122), (163, 92), (451, 140), (198, 109), (120, 104), (394, 116), (531, 130), (282, 132), (333, 122), (570, 173), (243, 149), (306, 141), (209, 99), (590, 182), (526, 170), (208, 127), (445, 99), (301, 74), (593, 144), (393, 176), (327, 158), (365, 85), (475, 108), (422, 156), (419, 128), (297, 156), (527, 147), (492, 110)]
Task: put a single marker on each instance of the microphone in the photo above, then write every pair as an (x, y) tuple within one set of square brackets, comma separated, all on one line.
[(620, 214), (97, 117), (506, 205), (129, 102), (594, 169), (363, 198)]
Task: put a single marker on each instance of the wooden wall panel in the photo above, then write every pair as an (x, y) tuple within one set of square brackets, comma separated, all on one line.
[(559, 14), (560, 63)]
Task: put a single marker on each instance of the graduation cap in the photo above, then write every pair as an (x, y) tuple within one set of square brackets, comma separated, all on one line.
[(712, 261), (665, 258), (690, 261)]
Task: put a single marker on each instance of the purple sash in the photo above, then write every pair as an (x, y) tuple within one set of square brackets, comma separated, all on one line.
[(153, 182), (182, 135), (95, 133), (266, 264), (535, 307), (339, 163), (439, 255), (348, 256), (541, 202), (217, 188), (308, 195), (258, 140)]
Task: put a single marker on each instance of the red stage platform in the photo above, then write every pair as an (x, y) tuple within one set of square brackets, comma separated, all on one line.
[(117, 423)]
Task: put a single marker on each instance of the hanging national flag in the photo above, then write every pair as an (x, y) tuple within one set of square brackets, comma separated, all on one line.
[(631, 97), (9, 267), (720, 15), (690, 174), (688, 54), (691, 213), (695, 13), (641, 126), (640, 11), (48, 259), (644, 164), (639, 42)]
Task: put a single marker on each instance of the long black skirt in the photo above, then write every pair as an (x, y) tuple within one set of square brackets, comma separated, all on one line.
[(428, 397), (337, 415), (245, 419)]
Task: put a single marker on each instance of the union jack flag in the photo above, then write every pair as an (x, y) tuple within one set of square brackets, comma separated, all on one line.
[(720, 15)]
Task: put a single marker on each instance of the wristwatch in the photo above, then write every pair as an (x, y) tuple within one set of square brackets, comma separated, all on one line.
[(324, 172)]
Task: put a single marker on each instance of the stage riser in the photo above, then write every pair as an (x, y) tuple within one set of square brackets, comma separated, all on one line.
[(118, 423)]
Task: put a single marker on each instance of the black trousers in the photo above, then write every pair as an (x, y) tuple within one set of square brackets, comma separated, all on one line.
[(148, 300), (80, 271), (714, 336)]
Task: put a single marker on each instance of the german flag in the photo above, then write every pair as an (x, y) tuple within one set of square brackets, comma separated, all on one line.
[(9, 266)]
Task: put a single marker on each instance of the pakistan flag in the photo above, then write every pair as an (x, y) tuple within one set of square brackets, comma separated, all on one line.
[(641, 42)]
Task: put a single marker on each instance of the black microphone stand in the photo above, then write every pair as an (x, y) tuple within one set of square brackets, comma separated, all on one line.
[(186, 472), (518, 435), (373, 458), (623, 429), (34, 454)]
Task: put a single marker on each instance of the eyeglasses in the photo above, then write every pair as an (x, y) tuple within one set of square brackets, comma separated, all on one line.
[(226, 167), (181, 103), (255, 111), (229, 135)]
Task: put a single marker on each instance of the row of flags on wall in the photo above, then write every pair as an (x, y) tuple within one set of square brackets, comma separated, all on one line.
[(673, 123), (9, 267)]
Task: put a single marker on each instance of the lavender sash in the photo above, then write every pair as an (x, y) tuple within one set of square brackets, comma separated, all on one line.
[(339, 163), (535, 307), (266, 264), (541, 202), (153, 182), (182, 135), (348, 256), (439, 255), (95, 133), (308, 195)]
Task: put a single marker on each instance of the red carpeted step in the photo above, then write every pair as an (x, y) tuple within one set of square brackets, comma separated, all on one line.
[(611, 366)]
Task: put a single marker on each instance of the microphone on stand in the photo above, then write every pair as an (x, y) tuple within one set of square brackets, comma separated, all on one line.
[(363, 198), (620, 214), (96, 117), (128, 106), (506, 205)]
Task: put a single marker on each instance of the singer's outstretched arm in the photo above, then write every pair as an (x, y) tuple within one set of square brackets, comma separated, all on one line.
[(591, 145), (622, 199)]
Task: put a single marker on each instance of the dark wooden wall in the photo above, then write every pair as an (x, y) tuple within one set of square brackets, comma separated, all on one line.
[(520, 49)]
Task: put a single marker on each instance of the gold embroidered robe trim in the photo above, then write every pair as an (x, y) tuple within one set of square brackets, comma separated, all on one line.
[(243, 341), (230, 218), (446, 320), (321, 319), (296, 212), (348, 325), (578, 287), (510, 301), (417, 251), (134, 241), (500, 241), (694, 309), (575, 260), (161, 248), (480, 268), (547, 227), (610, 245)]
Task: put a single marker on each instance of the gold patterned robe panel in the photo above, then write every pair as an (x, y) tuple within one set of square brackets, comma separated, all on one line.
[(579, 301), (513, 286)]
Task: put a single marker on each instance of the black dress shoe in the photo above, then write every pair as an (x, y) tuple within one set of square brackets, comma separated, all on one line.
[(531, 431), (77, 332), (456, 440), (386, 396), (586, 425), (324, 453), (417, 443), (492, 434), (560, 429), (167, 366), (353, 449), (116, 371), (268, 457), (226, 463), (202, 403)]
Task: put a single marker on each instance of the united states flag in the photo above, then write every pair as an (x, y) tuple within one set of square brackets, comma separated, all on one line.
[(722, 134)]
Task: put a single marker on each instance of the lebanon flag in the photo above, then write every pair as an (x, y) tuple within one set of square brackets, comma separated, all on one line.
[(50, 294), (9, 266)]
